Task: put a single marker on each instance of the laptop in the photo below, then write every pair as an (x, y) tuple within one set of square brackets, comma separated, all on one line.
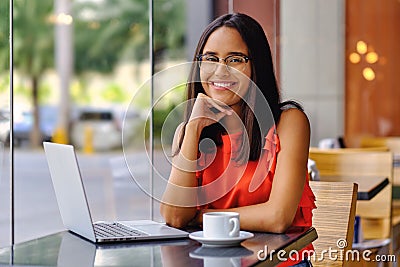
[(74, 208)]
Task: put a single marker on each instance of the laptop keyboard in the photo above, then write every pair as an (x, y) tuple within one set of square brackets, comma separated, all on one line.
[(105, 230)]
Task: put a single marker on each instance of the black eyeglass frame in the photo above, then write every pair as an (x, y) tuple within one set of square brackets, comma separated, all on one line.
[(246, 60)]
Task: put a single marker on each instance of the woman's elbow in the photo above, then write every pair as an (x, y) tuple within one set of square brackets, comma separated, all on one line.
[(281, 223), (281, 227), (172, 216), (169, 217), (176, 222)]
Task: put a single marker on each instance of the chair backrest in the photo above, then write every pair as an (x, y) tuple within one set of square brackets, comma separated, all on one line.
[(393, 144), (375, 213), (333, 219)]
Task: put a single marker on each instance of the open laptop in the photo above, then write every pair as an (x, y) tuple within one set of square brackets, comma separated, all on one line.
[(74, 208)]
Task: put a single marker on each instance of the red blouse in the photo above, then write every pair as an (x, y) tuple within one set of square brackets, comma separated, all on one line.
[(246, 184)]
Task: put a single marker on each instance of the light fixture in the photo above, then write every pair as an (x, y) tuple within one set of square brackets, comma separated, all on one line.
[(365, 52), (371, 57), (361, 47), (354, 58), (369, 74)]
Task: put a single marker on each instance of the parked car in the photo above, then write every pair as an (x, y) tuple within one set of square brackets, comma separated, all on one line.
[(96, 128), (130, 122), (5, 126), (23, 124)]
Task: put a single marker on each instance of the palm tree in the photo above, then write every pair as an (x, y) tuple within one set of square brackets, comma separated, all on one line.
[(4, 36), (107, 32), (33, 48), (118, 30)]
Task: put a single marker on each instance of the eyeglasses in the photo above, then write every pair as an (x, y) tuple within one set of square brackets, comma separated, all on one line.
[(208, 63)]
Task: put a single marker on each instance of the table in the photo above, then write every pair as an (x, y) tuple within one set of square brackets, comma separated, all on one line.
[(67, 249), (368, 186)]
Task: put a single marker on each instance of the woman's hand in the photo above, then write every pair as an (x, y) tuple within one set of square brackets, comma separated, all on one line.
[(207, 111)]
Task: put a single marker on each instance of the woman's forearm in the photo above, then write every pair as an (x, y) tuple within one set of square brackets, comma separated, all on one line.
[(275, 220), (179, 200)]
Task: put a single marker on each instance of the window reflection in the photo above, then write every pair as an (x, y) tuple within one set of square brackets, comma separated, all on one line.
[(85, 82), (5, 114)]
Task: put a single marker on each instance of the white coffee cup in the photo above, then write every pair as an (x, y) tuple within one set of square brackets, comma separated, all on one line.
[(221, 224)]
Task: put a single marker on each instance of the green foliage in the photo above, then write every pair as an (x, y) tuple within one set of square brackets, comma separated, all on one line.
[(45, 93), (4, 36), (4, 83), (105, 33), (112, 31), (78, 93), (104, 30), (114, 93), (169, 27), (141, 98), (22, 91), (159, 117), (33, 36)]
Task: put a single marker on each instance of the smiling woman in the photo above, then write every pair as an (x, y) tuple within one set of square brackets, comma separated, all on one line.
[(234, 101)]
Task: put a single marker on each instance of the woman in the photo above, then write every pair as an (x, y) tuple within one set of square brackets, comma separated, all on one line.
[(236, 73)]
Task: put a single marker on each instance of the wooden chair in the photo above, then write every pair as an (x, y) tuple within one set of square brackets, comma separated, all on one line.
[(375, 213), (393, 144), (333, 219)]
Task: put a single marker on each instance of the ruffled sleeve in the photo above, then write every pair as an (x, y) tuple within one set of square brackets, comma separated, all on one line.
[(271, 148), (307, 204)]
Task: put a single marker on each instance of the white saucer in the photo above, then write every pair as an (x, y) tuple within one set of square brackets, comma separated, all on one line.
[(220, 242)]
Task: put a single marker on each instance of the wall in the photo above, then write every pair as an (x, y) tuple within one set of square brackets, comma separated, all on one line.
[(372, 106), (312, 62)]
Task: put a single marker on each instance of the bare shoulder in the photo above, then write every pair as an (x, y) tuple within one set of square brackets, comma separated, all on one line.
[(293, 123), (294, 118)]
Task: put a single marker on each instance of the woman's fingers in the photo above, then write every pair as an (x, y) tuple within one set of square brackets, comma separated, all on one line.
[(215, 106), (207, 111), (205, 108)]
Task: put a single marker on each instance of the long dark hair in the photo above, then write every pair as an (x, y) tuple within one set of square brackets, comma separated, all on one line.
[(262, 75)]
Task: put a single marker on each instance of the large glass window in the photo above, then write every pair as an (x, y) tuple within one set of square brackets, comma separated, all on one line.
[(5, 115), (89, 58), (169, 53)]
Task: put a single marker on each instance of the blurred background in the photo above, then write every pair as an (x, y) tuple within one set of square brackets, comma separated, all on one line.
[(77, 65)]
